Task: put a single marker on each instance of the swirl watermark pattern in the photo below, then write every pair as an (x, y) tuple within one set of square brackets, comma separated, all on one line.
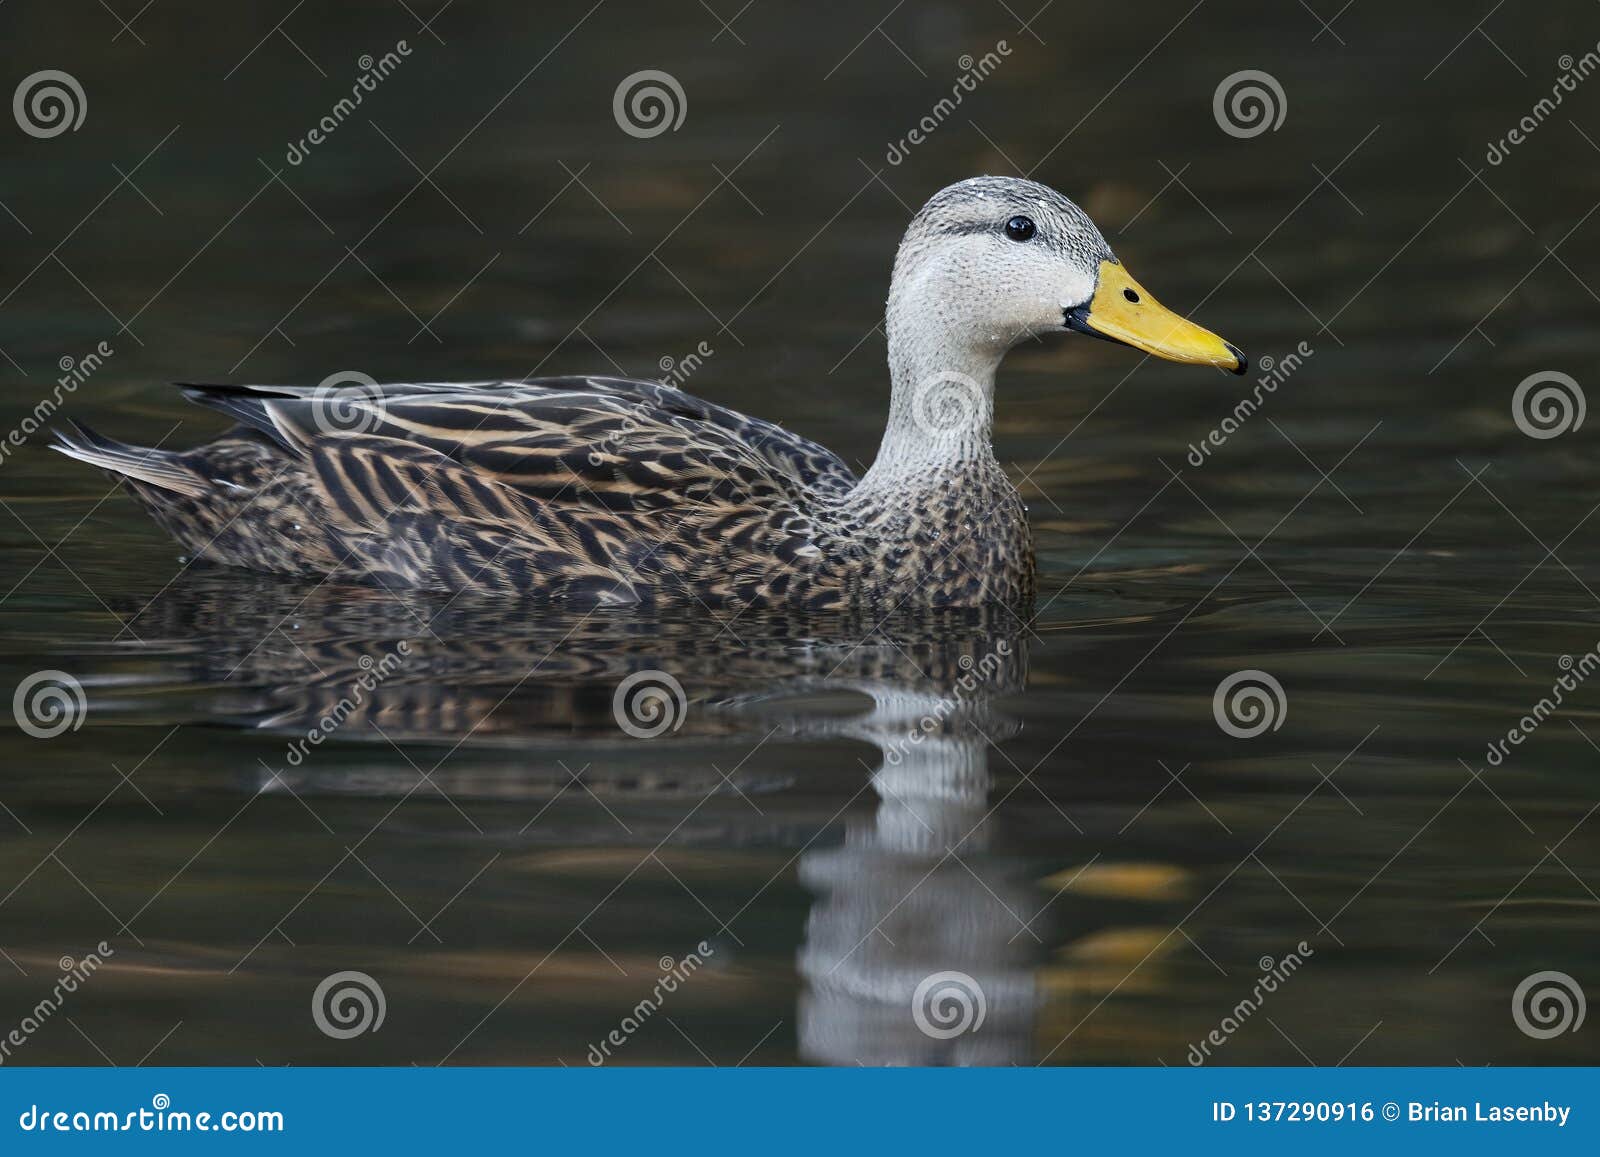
[(649, 703), (49, 103), (346, 402), (48, 704), (1249, 103), (1548, 1004), (948, 402), (347, 1004), (649, 103), (947, 1004), (1249, 703), (1548, 404)]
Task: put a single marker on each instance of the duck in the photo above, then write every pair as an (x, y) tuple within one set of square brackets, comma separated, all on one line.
[(599, 490)]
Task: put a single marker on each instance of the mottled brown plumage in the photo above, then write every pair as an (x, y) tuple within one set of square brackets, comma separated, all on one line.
[(612, 490)]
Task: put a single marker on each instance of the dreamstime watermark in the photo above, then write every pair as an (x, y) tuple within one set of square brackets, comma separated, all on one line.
[(649, 703), (1248, 103), (1273, 974), (675, 371), (49, 103), (1576, 672), (973, 73), (373, 673), (1548, 1004), (1273, 374), (160, 1117), (49, 703), (73, 974), (673, 974), (347, 1004), (947, 1004), (975, 673), (373, 72), (1249, 703), (1548, 404), (74, 372), (648, 103), (1573, 73)]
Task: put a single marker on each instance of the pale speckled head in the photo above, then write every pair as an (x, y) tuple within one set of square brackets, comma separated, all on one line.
[(992, 260), (984, 264)]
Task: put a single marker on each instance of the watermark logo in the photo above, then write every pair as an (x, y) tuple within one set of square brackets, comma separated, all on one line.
[(1574, 672), (373, 673), (1249, 703), (49, 703), (373, 73), (1573, 73), (673, 974), (1274, 372), (74, 372), (973, 73), (155, 1119), (676, 371), (948, 402), (947, 1004), (1273, 974), (649, 703), (1548, 1004), (1548, 404), (1249, 103), (348, 1004), (644, 415), (346, 402), (976, 673), (74, 973), (49, 103), (649, 103)]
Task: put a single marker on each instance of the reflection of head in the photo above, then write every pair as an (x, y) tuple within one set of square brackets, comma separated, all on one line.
[(912, 953)]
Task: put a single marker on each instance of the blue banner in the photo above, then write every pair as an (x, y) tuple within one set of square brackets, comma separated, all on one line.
[(781, 1111)]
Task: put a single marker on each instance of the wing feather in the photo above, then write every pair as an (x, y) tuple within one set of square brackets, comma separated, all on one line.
[(570, 484)]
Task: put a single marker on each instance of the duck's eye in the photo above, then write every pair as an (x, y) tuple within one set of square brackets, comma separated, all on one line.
[(1020, 228)]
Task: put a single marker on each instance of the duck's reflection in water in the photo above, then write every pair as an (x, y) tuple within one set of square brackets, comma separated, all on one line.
[(918, 948), (917, 951)]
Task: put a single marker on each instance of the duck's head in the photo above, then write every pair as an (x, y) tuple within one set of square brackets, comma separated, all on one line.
[(1000, 259)]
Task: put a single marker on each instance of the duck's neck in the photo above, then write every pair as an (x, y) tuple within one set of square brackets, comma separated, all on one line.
[(941, 409)]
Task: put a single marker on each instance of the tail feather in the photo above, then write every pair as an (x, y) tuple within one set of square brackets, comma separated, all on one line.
[(161, 468), (244, 404)]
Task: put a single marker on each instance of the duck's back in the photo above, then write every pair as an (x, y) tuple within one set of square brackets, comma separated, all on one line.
[(586, 488)]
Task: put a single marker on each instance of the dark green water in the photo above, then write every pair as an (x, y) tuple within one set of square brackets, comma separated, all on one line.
[(1072, 830)]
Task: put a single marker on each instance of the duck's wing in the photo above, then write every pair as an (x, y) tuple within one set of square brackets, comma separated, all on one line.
[(619, 443), (596, 487)]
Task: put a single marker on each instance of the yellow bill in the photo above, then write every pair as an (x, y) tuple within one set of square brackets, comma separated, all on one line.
[(1121, 310)]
